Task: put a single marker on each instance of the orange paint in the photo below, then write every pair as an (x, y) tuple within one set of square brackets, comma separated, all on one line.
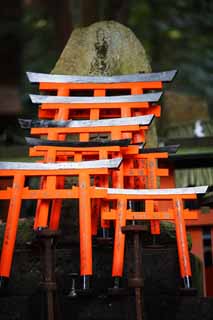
[(11, 225), (85, 225), (182, 244)]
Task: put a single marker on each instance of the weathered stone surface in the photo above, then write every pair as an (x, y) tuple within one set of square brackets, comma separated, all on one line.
[(151, 137), (104, 48)]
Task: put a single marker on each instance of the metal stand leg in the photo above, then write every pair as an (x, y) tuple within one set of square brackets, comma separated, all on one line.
[(47, 239), (134, 261), (183, 251), (73, 293)]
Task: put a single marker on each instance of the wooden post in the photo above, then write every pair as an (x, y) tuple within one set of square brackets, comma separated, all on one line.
[(11, 225), (182, 244)]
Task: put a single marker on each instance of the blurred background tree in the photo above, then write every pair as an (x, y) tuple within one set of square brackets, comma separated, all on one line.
[(176, 34)]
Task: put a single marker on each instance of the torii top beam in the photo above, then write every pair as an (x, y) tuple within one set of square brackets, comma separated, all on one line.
[(127, 121), (59, 168), (138, 77), (114, 193), (134, 98)]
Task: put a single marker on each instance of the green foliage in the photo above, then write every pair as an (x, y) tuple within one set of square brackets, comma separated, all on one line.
[(39, 48), (178, 34)]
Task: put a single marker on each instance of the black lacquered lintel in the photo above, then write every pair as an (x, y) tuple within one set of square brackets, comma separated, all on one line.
[(96, 143)]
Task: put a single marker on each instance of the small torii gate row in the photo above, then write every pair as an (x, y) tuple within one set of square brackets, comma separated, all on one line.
[(175, 213), (146, 172), (124, 103), (136, 103), (115, 126), (133, 84), (120, 215), (64, 107), (150, 172), (84, 192)]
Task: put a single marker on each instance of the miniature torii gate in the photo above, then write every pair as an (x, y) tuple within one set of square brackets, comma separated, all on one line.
[(176, 213), (18, 192), (117, 128)]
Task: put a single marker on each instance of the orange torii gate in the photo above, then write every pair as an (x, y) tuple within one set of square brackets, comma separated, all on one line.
[(79, 154), (116, 127), (84, 192), (175, 213), (123, 103), (94, 153), (131, 84), (149, 170)]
